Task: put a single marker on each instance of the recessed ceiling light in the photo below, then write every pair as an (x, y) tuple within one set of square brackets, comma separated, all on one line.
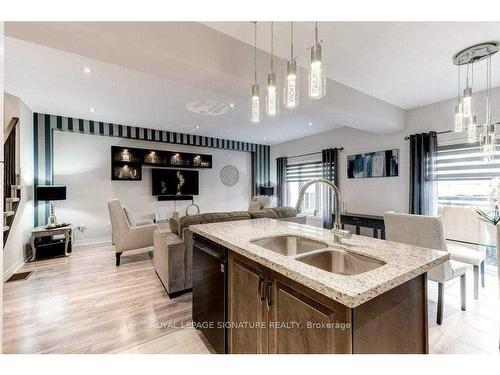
[(197, 126), (310, 124), (265, 137), (231, 105), (92, 109), (87, 70)]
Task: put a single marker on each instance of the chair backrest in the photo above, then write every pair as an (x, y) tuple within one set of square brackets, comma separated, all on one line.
[(417, 230), (463, 224), (119, 223)]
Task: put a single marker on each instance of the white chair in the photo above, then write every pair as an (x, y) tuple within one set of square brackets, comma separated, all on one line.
[(463, 225), (427, 231), (127, 235)]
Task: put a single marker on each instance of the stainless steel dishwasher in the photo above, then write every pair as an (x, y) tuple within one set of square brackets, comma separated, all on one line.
[(210, 291)]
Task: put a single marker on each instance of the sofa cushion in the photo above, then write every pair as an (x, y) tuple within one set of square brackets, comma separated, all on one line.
[(186, 221), (239, 215), (215, 217), (285, 211), (269, 214)]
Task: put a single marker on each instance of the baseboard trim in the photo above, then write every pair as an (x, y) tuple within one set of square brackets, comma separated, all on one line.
[(93, 243), (12, 270)]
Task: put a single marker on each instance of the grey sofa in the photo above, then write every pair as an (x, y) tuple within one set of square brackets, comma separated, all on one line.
[(173, 251)]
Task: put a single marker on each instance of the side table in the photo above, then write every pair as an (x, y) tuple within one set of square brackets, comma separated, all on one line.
[(41, 231)]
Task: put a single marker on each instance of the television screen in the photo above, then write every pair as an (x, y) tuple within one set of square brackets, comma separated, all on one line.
[(175, 182)]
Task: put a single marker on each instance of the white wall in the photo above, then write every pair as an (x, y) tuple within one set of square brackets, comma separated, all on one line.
[(15, 253), (370, 196), (83, 163), (377, 195)]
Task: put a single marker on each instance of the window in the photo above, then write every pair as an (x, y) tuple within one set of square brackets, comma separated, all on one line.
[(463, 177), (296, 176)]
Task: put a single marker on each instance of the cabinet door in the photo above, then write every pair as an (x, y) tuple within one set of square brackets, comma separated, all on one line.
[(302, 321), (247, 313)]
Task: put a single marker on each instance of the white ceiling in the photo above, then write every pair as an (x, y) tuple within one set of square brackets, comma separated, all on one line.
[(149, 74), (407, 64)]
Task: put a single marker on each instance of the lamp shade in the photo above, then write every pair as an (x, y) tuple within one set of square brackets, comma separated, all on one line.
[(267, 190), (51, 193)]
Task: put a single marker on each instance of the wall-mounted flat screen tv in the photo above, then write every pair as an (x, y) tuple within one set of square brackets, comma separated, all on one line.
[(175, 182)]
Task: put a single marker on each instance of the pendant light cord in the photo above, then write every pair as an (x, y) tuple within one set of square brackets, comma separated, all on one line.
[(488, 93), (291, 40), (459, 88), (255, 53), (316, 32), (272, 47)]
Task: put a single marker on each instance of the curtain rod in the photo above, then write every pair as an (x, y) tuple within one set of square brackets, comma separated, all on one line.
[(312, 153), (443, 132)]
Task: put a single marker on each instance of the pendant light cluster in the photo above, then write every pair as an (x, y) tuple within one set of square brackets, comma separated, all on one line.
[(465, 115), (317, 78)]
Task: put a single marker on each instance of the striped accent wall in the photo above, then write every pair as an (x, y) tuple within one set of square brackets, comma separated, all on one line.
[(44, 126)]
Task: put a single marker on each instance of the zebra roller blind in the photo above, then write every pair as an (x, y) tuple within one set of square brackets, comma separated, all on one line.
[(465, 162), (463, 176), (303, 172)]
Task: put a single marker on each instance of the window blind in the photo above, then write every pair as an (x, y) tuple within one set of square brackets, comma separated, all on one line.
[(303, 172), (463, 176), (465, 162)]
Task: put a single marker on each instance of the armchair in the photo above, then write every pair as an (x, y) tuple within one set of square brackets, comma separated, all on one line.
[(125, 236)]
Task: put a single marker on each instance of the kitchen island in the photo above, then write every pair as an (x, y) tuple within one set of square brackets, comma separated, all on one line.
[(292, 288)]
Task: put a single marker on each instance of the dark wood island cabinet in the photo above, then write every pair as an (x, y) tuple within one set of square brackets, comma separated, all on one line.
[(270, 313)]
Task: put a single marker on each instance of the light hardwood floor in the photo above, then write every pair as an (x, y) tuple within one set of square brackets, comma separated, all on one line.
[(84, 304)]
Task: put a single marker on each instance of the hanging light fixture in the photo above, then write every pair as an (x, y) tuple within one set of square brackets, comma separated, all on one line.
[(317, 79), (272, 105), (467, 99), (459, 114), (487, 139), (291, 89), (465, 117), (255, 87)]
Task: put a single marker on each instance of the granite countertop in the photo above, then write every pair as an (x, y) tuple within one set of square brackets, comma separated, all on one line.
[(403, 262)]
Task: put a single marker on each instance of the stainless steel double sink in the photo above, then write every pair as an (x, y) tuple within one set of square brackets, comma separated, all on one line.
[(319, 254)]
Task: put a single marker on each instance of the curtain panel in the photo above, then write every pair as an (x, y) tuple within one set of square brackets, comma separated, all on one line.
[(423, 186), (281, 164), (330, 173)]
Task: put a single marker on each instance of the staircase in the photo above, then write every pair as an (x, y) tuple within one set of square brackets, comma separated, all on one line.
[(11, 186)]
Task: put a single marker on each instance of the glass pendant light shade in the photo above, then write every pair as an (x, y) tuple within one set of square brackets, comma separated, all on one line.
[(459, 118), (291, 84), (272, 100), (317, 78), (471, 123), (255, 104), (467, 102), (272, 104), (488, 143)]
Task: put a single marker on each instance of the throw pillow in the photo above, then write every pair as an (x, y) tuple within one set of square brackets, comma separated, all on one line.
[(254, 206)]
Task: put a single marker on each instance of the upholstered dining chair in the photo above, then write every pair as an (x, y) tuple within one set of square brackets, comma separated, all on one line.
[(463, 229), (427, 231), (128, 234)]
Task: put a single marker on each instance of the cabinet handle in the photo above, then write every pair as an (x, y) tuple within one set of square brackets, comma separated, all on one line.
[(262, 287), (269, 292)]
